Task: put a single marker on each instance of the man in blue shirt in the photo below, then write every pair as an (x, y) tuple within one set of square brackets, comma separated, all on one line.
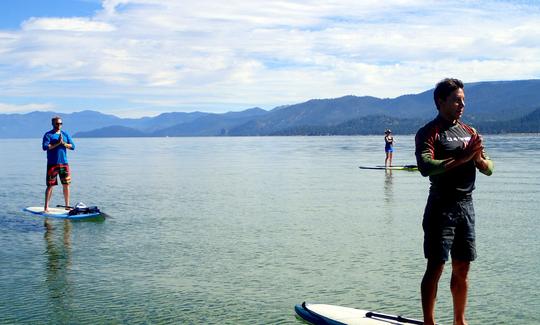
[(56, 142)]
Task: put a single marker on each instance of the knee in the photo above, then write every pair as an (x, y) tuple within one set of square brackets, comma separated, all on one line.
[(460, 269), (434, 269)]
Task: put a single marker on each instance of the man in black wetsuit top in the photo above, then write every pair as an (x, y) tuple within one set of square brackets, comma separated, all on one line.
[(449, 152)]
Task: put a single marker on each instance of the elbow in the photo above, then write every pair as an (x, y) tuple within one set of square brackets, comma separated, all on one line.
[(422, 168), (487, 168), (487, 172), (423, 171)]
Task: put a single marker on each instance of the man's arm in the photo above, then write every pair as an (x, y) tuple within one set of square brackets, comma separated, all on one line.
[(481, 160), (428, 165), (46, 141), (472, 151), (68, 143), (425, 154), (46, 145), (483, 163)]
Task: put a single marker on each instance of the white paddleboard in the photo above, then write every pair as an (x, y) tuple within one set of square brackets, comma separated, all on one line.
[(402, 167), (60, 213), (337, 315)]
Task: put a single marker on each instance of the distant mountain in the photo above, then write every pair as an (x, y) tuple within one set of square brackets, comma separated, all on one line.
[(178, 124), (485, 101), (211, 124), (142, 127), (114, 131), (498, 106), (502, 100), (152, 124), (372, 124), (529, 123), (315, 112), (35, 124)]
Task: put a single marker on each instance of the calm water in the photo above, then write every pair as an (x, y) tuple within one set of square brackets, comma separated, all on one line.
[(238, 230)]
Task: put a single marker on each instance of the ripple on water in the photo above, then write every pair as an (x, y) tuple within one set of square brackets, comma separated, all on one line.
[(239, 230)]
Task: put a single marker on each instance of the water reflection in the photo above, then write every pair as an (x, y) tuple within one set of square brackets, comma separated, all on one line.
[(388, 196), (388, 188), (58, 264)]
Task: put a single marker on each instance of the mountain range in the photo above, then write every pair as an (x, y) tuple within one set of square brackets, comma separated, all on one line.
[(492, 107)]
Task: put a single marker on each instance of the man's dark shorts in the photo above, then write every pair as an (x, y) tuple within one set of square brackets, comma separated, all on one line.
[(449, 228), (61, 170)]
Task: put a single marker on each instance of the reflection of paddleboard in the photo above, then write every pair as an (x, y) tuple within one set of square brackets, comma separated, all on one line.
[(398, 167), (62, 213), (336, 315)]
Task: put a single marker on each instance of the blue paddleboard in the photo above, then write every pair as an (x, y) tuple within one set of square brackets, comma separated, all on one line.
[(62, 213)]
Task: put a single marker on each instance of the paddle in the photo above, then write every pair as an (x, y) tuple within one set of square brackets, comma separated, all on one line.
[(396, 318), (80, 210)]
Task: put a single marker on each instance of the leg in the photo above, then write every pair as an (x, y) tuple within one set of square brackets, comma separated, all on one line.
[(48, 194), (386, 159), (51, 181), (390, 158), (66, 194), (65, 178), (67, 233), (48, 226), (429, 285), (459, 286)]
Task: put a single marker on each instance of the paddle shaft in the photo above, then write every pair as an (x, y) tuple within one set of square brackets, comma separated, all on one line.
[(396, 318), (64, 206)]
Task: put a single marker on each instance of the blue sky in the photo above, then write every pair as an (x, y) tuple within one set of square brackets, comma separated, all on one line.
[(13, 13), (135, 58)]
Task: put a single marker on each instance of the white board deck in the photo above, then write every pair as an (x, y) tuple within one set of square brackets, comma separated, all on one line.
[(344, 315), (61, 213), (404, 167)]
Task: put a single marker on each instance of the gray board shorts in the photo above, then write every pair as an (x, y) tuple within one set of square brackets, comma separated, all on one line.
[(449, 227)]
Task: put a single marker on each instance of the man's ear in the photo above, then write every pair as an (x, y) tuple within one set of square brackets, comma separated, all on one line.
[(438, 104)]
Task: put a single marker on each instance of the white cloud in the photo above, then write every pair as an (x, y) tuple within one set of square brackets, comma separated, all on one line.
[(66, 24), (239, 53)]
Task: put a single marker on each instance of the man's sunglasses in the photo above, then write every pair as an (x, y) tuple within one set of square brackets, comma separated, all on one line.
[(58, 123)]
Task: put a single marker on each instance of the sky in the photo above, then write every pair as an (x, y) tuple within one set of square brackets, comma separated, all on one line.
[(134, 58)]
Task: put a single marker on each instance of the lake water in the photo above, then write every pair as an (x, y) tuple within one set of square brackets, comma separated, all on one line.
[(239, 230)]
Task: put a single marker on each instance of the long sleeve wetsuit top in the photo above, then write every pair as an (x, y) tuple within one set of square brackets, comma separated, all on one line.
[(436, 143)]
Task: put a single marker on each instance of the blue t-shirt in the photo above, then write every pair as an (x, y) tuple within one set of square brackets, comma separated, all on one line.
[(57, 155)]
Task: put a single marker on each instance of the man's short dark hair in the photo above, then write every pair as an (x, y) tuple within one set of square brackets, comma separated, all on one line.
[(56, 118), (445, 87)]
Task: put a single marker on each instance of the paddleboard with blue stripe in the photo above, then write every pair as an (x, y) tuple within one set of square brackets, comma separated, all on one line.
[(60, 213), (322, 314)]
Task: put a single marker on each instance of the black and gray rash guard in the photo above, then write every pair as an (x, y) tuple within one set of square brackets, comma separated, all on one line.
[(436, 143)]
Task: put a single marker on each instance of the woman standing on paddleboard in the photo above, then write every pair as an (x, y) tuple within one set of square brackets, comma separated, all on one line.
[(388, 147)]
